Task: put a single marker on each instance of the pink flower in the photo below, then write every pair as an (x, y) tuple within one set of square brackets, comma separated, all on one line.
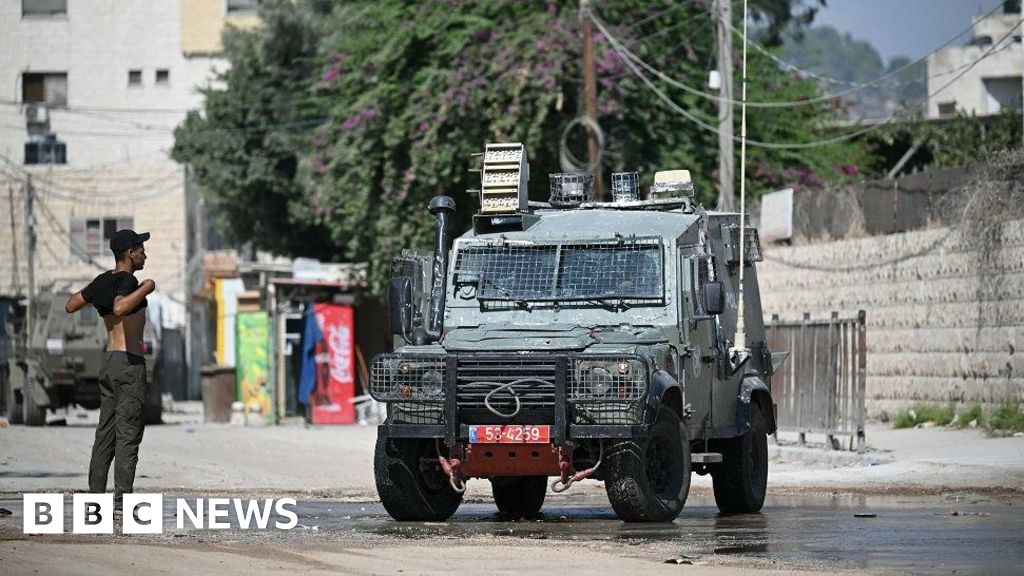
[(331, 74)]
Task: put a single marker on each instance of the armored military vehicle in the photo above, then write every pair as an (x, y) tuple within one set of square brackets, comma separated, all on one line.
[(59, 363), (575, 339)]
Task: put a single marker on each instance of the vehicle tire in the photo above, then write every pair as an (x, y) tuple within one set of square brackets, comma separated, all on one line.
[(648, 480), (519, 495), (410, 482), (32, 414), (741, 480)]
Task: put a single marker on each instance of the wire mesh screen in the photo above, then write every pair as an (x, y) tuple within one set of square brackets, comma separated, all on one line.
[(625, 269), (621, 414), (397, 377), (625, 186), (406, 413), (571, 189), (608, 380), (752, 244)]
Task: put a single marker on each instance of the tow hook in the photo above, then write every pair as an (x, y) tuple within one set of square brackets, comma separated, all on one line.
[(453, 469), (567, 479)]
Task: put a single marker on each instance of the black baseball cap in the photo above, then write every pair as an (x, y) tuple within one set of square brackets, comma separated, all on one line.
[(125, 239)]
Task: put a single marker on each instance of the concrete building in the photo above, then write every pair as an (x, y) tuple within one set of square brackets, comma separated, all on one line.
[(991, 85), (90, 93)]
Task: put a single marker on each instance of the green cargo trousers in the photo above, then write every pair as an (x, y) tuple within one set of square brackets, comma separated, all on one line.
[(119, 432)]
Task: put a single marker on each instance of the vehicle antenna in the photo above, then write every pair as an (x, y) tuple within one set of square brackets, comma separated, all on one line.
[(739, 349)]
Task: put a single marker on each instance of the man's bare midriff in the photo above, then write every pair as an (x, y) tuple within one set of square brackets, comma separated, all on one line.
[(124, 333)]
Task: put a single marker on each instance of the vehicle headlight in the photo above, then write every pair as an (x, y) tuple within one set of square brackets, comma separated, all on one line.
[(395, 377), (613, 379), (432, 385), (600, 381)]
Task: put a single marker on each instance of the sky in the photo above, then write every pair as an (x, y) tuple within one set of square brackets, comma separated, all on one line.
[(903, 27)]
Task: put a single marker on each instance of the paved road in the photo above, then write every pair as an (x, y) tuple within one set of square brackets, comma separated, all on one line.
[(959, 534)]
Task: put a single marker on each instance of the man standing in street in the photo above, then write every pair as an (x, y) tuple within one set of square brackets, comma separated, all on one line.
[(121, 300)]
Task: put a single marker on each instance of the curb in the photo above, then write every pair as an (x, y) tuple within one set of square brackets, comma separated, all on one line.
[(835, 458)]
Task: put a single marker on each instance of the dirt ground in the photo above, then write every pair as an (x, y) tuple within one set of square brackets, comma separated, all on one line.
[(336, 462), (330, 468)]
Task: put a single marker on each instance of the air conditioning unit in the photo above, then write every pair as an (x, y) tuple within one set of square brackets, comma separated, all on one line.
[(37, 114)]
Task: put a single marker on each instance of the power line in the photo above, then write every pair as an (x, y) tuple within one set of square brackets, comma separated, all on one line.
[(787, 103), (885, 76), (785, 146), (931, 247), (69, 193)]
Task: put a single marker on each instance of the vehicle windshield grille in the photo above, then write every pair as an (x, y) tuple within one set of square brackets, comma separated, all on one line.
[(624, 268)]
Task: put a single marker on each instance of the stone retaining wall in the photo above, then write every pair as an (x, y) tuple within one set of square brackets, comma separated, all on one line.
[(945, 317)]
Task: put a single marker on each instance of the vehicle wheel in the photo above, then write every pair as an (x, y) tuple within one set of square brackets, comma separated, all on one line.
[(741, 480), (519, 496), (648, 479), (32, 414), (410, 482)]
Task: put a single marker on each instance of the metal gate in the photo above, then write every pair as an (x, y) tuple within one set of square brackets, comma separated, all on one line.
[(821, 387)]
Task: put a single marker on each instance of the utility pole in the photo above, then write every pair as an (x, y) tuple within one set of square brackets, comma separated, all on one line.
[(30, 244), (590, 88), (726, 145)]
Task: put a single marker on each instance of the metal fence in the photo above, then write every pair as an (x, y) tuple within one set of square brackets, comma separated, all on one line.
[(821, 386)]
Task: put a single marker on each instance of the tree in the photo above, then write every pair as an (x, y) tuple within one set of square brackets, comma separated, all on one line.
[(338, 121)]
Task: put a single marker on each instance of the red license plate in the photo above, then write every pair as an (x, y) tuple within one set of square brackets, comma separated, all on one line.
[(509, 434)]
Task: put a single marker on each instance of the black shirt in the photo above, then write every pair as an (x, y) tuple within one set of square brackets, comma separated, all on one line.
[(109, 285)]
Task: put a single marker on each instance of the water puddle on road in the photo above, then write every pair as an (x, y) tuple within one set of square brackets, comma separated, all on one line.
[(965, 534), (928, 534)]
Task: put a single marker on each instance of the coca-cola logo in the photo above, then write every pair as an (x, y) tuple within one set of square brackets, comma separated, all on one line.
[(339, 341)]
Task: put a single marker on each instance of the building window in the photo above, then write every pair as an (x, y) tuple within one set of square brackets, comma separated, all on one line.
[(947, 108), (45, 149), (44, 7), (49, 88), (163, 77), (235, 6), (135, 77), (90, 237)]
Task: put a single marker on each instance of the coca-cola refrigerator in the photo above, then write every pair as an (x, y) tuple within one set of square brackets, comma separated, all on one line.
[(331, 400)]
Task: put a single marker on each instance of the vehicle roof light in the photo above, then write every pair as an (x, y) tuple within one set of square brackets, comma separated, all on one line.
[(625, 187), (671, 184), (571, 189)]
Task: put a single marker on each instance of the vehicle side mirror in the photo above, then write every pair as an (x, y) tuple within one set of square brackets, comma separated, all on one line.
[(400, 305), (714, 298)]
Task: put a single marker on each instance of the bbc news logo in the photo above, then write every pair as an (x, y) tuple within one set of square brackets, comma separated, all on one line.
[(144, 513)]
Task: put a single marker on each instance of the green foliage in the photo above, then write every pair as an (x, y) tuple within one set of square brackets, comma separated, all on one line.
[(972, 414), (337, 122), (1007, 417), (940, 415)]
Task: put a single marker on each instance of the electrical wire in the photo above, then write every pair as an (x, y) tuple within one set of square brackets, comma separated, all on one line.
[(617, 46), (68, 193), (787, 103), (891, 73), (931, 247)]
